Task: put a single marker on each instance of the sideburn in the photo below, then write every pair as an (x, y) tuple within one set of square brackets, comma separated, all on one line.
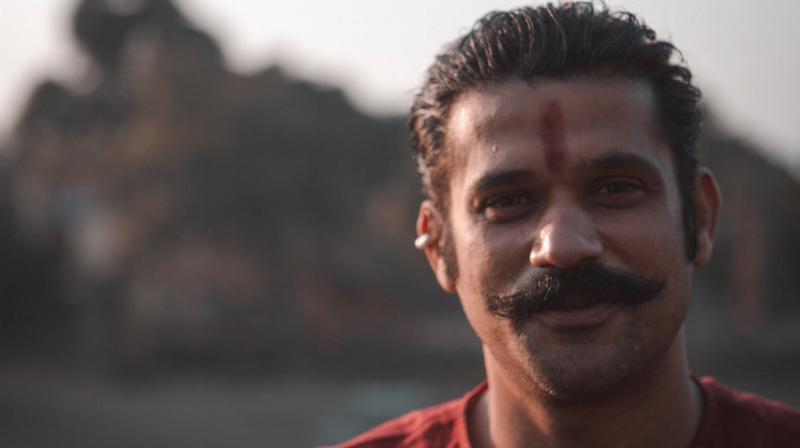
[(448, 253)]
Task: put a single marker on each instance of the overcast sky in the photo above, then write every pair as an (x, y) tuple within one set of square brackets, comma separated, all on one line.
[(745, 54)]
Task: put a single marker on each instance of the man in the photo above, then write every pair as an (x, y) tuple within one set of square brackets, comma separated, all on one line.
[(567, 211)]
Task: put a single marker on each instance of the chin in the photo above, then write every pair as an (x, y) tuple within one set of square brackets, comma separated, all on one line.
[(586, 371), (580, 386)]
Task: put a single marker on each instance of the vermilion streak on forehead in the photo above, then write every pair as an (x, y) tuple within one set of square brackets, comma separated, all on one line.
[(551, 127)]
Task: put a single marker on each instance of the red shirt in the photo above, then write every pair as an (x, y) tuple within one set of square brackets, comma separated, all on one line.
[(730, 419)]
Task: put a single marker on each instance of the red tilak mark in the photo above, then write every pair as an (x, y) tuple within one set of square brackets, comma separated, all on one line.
[(552, 129)]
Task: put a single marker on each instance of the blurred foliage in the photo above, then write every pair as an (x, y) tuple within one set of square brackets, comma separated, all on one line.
[(165, 208)]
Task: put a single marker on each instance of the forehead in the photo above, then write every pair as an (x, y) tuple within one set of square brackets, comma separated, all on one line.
[(493, 108), (542, 123)]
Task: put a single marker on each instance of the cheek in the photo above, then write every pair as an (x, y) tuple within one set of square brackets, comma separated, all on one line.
[(497, 255), (644, 239), (489, 258)]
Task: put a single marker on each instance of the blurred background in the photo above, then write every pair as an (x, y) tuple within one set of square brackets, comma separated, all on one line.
[(207, 208)]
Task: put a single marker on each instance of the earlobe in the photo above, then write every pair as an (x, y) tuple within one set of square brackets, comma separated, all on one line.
[(430, 228), (707, 200)]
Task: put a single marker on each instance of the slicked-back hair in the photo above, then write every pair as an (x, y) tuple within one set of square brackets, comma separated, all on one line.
[(558, 42)]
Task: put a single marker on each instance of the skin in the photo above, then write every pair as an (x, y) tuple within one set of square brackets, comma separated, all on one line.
[(552, 136), (547, 175)]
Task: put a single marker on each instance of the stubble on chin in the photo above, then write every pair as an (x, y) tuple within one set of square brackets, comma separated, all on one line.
[(580, 372)]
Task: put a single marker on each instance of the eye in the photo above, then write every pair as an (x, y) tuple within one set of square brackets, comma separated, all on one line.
[(507, 206), (619, 192), (619, 188)]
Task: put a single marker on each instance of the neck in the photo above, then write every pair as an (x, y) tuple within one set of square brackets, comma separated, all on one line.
[(659, 408)]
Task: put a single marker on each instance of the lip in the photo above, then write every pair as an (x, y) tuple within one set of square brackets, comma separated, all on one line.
[(577, 319)]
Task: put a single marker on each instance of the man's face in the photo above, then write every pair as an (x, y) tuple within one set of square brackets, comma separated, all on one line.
[(554, 176)]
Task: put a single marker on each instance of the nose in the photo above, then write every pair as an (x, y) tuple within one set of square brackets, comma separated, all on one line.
[(566, 236)]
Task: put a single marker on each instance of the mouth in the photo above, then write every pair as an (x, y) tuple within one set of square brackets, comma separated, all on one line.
[(578, 316)]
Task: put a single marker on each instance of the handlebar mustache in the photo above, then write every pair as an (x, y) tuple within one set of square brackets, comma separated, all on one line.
[(578, 287)]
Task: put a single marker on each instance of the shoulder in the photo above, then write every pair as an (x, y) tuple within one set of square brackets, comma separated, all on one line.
[(443, 425), (733, 419), (409, 429)]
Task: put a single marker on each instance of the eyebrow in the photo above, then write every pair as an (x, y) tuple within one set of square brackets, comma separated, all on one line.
[(620, 161), (614, 161), (500, 178)]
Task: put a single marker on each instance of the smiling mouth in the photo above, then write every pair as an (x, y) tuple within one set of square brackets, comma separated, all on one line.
[(577, 315)]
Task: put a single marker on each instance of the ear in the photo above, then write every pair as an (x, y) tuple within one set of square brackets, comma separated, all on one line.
[(707, 200), (430, 222)]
